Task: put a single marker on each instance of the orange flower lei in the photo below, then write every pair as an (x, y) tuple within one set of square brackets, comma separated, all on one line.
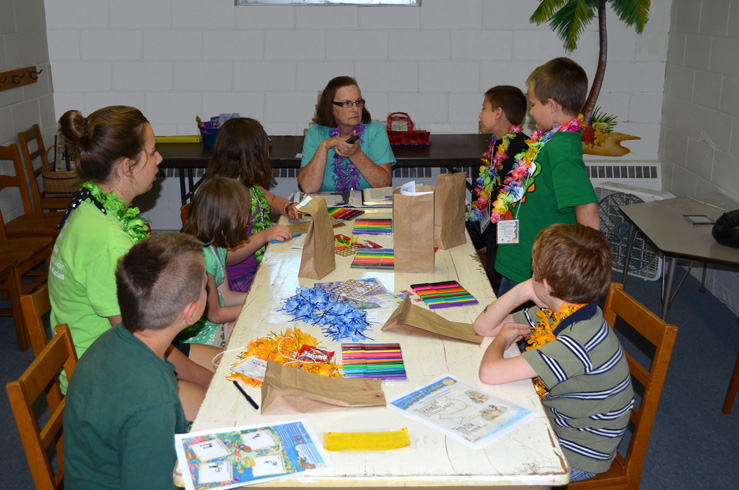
[(283, 348), (543, 333)]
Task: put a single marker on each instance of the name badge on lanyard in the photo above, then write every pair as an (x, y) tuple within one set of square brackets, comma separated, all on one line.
[(508, 231)]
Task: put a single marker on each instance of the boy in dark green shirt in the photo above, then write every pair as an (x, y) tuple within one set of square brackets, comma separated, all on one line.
[(122, 407)]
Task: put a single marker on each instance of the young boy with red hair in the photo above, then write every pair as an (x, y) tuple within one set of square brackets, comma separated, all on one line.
[(581, 370)]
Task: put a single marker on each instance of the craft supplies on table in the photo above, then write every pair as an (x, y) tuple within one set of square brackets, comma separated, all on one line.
[(362, 293), (443, 294), (374, 258), (373, 227), (238, 456), (344, 213), (366, 441), (462, 411), (384, 361)]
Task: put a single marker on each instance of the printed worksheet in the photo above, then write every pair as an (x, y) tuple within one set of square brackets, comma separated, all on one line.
[(462, 411), (239, 456)]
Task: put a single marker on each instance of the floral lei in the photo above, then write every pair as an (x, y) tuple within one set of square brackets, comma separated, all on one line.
[(111, 203), (283, 348), (260, 219), (544, 332), (488, 176), (515, 186), (346, 174)]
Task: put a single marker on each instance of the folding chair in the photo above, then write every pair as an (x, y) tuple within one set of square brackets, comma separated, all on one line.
[(626, 472), (42, 377)]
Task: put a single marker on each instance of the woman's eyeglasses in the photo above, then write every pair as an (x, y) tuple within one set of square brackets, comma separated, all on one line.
[(349, 103)]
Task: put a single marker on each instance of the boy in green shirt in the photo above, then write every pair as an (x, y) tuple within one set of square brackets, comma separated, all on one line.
[(122, 407), (549, 183)]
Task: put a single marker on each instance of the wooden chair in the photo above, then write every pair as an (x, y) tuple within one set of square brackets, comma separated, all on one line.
[(185, 212), (34, 306), (27, 253), (40, 200), (42, 377), (27, 224), (626, 472)]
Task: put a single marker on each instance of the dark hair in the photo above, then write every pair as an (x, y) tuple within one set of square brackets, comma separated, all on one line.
[(220, 213), (102, 138), (325, 107), (563, 81), (575, 260), (509, 98), (241, 151), (157, 278)]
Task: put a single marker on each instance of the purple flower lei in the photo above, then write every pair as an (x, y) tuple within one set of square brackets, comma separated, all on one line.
[(346, 175)]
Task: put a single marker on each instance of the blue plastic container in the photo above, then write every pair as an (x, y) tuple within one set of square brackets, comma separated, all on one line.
[(209, 133)]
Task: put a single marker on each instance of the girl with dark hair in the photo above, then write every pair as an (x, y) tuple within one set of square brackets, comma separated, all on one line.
[(241, 152), (219, 219), (345, 149)]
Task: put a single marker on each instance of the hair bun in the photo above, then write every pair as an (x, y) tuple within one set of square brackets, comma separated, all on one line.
[(74, 127)]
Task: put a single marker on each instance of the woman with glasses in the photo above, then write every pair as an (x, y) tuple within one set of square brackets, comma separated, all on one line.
[(345, 149)]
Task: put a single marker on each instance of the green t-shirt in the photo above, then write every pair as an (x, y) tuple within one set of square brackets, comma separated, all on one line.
[(82, 285), (204, 331), (561, 184), (122, 412)]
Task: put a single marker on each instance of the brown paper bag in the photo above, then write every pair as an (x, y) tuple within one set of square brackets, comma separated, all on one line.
[(413, 231), (410, 319), (318, 257), (290, 390), (449, 227)]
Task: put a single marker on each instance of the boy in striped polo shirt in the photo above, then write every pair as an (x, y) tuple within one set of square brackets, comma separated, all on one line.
[(577, 360)]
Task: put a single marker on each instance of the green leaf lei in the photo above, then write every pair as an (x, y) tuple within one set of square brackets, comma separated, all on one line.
[(260, 216), (136, 227)]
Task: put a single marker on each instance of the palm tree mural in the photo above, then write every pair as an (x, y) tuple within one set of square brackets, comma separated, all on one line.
[(569, 18)]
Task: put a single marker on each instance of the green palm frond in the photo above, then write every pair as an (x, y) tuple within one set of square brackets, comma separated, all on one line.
[(570, 21), (632, 12), (545, 10), (567, 18)]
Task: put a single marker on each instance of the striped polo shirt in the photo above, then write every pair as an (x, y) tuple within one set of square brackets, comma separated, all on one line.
[(590, 395)]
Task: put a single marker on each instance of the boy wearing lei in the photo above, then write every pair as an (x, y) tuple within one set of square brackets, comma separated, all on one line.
[(502, 112), (549, 182), (577, 359)]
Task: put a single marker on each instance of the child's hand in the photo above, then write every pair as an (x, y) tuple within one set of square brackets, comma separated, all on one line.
[(512, 332), (277, 232), (291, 211)]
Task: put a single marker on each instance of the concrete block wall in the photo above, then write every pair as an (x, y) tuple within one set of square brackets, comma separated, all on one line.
[(175, 59), (23, 43), (178, 58), (699, 142)]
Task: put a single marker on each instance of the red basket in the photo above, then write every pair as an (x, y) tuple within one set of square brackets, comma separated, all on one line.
[(400, 131)]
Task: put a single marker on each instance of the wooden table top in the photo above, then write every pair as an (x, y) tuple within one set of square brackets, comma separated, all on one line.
[(529, 455)]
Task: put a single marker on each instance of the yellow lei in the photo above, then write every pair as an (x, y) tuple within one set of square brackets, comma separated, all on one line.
[(543, 333)]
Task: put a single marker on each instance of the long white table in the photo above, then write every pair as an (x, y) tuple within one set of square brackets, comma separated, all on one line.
[(528, 456)]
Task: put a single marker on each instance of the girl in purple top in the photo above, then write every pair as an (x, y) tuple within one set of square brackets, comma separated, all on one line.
[(241, 152)]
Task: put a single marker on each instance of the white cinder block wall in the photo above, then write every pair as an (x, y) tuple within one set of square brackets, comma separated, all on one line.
[(22, 44), (175, 59), (699, 144)]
